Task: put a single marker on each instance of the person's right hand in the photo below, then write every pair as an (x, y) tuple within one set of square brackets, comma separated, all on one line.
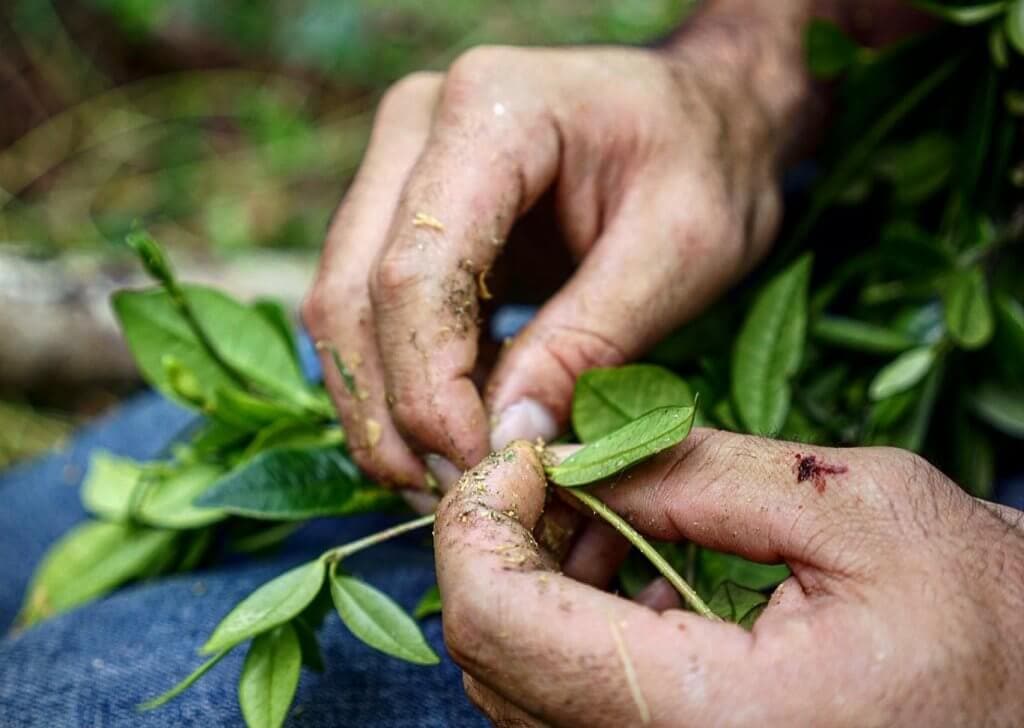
[(661, 166), (905, 607)]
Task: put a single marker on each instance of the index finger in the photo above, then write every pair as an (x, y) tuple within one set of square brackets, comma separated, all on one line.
[(480, 170), (561, 650)]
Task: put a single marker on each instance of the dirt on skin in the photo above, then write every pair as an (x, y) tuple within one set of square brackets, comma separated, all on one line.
[(461, 306)]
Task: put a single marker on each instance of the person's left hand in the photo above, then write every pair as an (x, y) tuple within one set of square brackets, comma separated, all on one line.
[(903, 607)]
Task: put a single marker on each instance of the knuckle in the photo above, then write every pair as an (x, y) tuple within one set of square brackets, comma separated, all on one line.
[(474, 72), (393, 276), (414, 418), (410, 92), (314, 309)]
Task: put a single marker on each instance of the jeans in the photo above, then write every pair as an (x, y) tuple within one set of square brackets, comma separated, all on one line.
[(91, 667)]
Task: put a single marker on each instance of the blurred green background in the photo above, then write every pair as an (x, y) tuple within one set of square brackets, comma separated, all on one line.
[(228, 127)]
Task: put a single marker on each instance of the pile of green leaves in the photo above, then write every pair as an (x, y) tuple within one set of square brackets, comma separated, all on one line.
[(891, 314)]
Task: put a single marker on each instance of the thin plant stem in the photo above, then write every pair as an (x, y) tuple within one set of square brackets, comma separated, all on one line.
[(644, 546), (340, 552)]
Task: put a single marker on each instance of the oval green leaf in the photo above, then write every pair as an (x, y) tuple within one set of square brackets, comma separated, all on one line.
[(272, 604), (287, 484), (155, 329), (167, 497), (430, 603), (1000, 406), (829, 50), (1015, 25), (963, 14), (769, 349), (902, 373), (628, 445), (606, 399), (735, 603), (269, 678), (969, 310), (857, 335), (89, 561), (376, 620)]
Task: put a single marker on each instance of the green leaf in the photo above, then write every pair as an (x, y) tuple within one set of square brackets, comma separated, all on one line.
[(1015, 25), (246, 411), (963, 14), (155, 327), (153, 258), (1010, 332), (275, 314), (998, 48), (917, 169), (829, 50), (167, 493), (857, 335), (379, 622), (245, 340), (715, 568), (269, 678), (606, 399), (295, 434), (637, 441), (287, 484), (272, 604), (430, 603), (184, 684), (902, 373), (974, 458), (1000, 406), (169, 502), (89, 561), (769, 349), (738, 604), (969, 310)]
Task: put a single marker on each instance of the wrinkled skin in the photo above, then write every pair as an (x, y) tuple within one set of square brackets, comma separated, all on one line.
[(660, 168), (903, 607), (656, 169)]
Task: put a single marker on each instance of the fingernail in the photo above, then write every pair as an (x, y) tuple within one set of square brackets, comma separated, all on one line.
[(443, 470), (527, 419), (420, 501), (558, 453), (659, 595)]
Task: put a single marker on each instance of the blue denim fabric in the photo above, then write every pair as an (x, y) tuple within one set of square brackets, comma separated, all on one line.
[(91, 667)]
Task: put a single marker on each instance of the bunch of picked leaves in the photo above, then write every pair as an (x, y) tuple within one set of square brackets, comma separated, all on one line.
[(265, 456), (890, 314)]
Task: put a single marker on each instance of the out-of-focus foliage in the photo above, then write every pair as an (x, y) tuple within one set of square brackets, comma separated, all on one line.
[(232, 124), (223, 125)]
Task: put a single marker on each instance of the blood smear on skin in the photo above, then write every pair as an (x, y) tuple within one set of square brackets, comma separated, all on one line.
[(808, 467)]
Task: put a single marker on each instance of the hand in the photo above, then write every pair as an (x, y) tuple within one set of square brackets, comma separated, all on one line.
[(903, 606), (661, 169)]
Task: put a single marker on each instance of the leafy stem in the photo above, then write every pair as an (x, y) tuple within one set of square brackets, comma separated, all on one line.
[(340, 552), (644, 546)]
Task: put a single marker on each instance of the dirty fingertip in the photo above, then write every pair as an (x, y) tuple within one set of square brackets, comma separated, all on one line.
[(420, 500)]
